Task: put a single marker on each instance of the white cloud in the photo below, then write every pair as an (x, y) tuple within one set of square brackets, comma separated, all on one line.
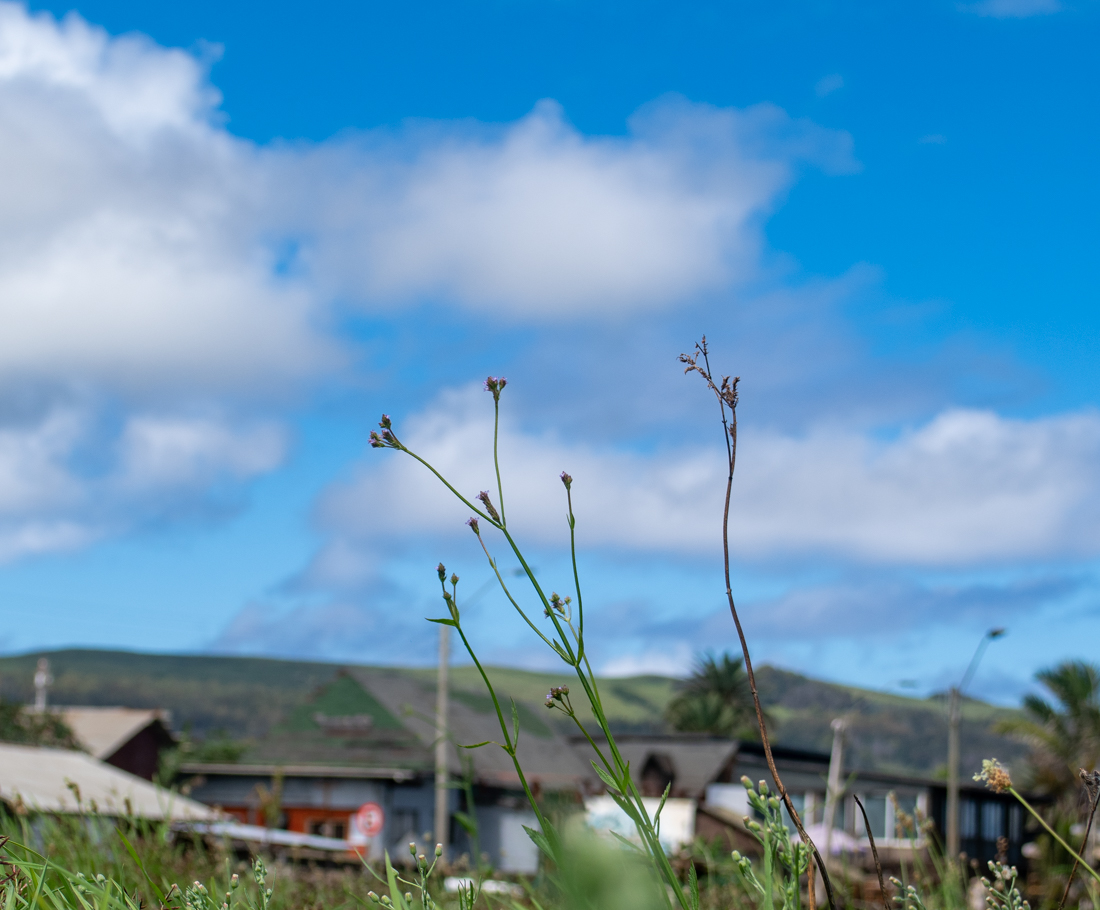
[(130, 231), (674, 659), (1012, 9), (53, 496), (968, 487), (178, 451), (141, 242), (538, 220)]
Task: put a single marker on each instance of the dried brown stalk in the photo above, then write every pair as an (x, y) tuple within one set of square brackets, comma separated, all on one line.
[(726, 393), (1092, 787), (874, 853)]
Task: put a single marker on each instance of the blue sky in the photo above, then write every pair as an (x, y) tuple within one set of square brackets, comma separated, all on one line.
[(231, 235)]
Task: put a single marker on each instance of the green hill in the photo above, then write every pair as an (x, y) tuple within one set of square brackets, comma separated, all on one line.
[(247, 696)]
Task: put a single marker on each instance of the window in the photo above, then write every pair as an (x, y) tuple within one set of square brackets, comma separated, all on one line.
[(993, 820), (876, 815), (968, 818)]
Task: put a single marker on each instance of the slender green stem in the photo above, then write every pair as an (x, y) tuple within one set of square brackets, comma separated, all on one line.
[(447, 484), (591, 741), (508, 594), (547, 828), (1054, 834), (576, 574), (496, 457)]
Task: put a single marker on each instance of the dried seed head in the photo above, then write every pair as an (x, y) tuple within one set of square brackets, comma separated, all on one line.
[(995, 775)]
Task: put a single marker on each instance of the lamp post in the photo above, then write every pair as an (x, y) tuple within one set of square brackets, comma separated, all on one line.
[(954, 711)]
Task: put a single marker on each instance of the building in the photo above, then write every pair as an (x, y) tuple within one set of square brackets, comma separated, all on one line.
[(365, 742), (709, 770), (131, 739), (66, 782)]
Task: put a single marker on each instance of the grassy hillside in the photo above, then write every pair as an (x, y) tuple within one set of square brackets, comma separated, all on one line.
[(247, 696)]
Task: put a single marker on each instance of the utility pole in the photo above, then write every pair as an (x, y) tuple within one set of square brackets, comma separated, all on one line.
[(442, 779), (833, 793), (954, 715), (42, 681)]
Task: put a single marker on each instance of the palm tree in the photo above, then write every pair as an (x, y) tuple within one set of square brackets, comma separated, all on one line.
[(1064, 735), (714, 699)]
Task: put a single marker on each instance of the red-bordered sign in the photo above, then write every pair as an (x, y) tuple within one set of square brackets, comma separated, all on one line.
[(367, 822)]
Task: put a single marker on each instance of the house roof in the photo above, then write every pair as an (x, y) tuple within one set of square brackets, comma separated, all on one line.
[(694, 759), (44, 780), (544, 754), (103, 731), (383, 723)]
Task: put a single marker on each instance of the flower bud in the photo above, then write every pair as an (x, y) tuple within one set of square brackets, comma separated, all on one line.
[(438, 849), (441, 571), (495, 384), (234, 881), (567, 480), (454, 579), (488, 503), (412, 849), (472, 522)]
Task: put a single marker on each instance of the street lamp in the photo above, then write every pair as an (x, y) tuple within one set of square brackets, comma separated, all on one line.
[(954, 710)]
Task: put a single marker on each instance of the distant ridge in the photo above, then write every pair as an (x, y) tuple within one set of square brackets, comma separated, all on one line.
[(247, 696)]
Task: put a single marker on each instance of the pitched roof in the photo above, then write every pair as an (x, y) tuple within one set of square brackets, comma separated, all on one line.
[(382, 720), (40, 779), (103, 731), (545, 755), (694, 760)]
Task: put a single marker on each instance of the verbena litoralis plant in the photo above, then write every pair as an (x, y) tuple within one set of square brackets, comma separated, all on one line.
[(726, 392), (567, 641)]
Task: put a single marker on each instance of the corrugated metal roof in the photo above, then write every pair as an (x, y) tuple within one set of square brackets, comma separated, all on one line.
[(43, 780), (103, 731)]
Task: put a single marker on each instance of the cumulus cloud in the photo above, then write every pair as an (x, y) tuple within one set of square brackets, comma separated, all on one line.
[(53, 497), (147, 255), (141, 242), (966, 487), (130, 222), (537, 220)]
